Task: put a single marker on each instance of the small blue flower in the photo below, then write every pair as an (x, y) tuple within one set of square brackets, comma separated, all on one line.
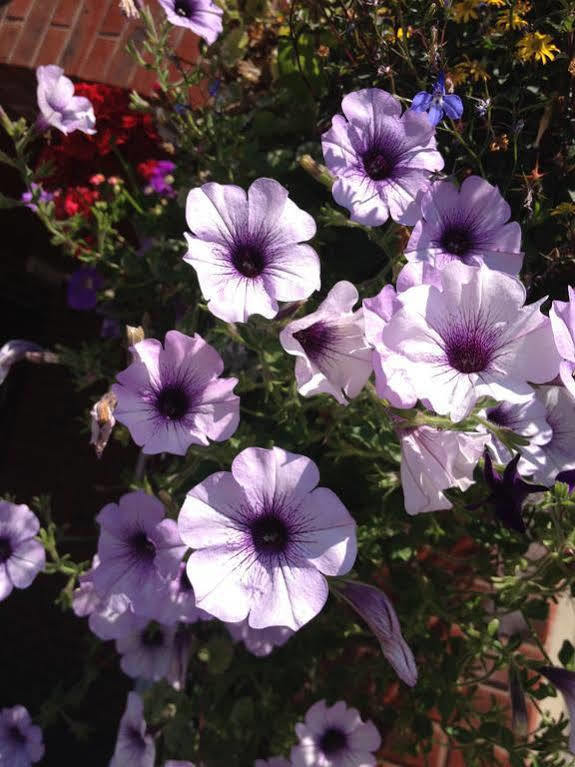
[(437, 103)]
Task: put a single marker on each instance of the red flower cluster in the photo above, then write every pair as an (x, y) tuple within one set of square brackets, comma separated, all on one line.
[(74, 200)]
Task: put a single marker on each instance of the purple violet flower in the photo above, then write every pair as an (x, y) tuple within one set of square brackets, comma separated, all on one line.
[(468, 224), (437, 103), (564, 681), (378, 612), (22, 557), (508, 493), (135, 747), (335, 736), (249, 249), (562, 316), (138, 549), (332, 354), (264, 536), (259, 642), (382, 160), (203, 17), (58, 105), (162, 179), (147, 653), (473, 338), (34, 195), (83, 287), (21, 741), (172, 396)]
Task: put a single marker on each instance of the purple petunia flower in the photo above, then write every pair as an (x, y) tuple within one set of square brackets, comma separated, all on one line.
[(248, 249), (173, 397), (382, 159), (148, 652), (264, 537), (20, 741), (83, 287), (473, 338), (22, 557), (178, 604), (14, 351), (433, 460), (470, 224), (437, 103), (203, 17), (259, 642), (58, 105), (378, 612), (564, 681), (335, 736), (135, 747), (34, 195), (545, 461), (562, 316), (332, 354), (138, 549)]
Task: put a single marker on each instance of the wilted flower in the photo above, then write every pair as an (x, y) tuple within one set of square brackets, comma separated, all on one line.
[(248, 249), (58, 105), (508, 493), (264, 536), (382, 159), (83, 287), (171, 397), (437, 103), (335, 736), (259, 642), (135, 746), (468, 224), (22, 557), (519, 718), (564, 681), (433, 460), (102, 422), (482, 106), (203, 17), (562, 316), (473, 338), (332, 354), (20, 741), (378, 612)]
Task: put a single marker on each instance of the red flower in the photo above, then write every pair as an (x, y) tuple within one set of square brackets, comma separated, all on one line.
[(75, 200)]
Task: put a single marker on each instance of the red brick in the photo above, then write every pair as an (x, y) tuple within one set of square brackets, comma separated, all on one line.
[(123, 66), (19, 8), (52, 47), (9, 31), (114, 21), (435, 758), (456, 758), (66, 12), (30, 40), (187, 47), (485, 698), (143, 81), (82, 36), (96, 64)]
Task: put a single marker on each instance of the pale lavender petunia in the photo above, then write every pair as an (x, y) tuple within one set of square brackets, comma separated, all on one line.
[(473, 338), (22, 557), (433, 460), (21, 741), (135, 746), (178, 604), (139, 550), (171, 397), (562, 316), (58, 105), (249, 249), (468, 224), (147, 653), (332, 354), (557, 455), (260, 642), (203, 17), (264, 537), (382, 160), (335, 736)]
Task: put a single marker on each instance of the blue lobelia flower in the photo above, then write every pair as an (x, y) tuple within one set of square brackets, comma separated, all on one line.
[(438, 103)]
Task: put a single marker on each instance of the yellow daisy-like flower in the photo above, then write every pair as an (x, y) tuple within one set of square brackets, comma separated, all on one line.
[(465, 10), (470, 68), (511, 19), (498, 3), (538, 46)]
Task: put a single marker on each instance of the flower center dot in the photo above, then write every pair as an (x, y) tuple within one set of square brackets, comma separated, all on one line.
[(152, 636), (314, 339), (143, 546), (498, 416), (269, 534), (456, 241), (5, 550), (172, 402), (182, 8), (469, 349), (376, 165), (248, 260), (332, 741)]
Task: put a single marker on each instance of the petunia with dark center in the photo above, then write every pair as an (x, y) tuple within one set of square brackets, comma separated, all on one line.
[(143, 547), (499, 416), (172, 402), (377, 165), (152, 636), (457, 241), (5, 549), (332, 741), (270, 534), (249, 260), (315, 339), (469, 346), (184, 8)]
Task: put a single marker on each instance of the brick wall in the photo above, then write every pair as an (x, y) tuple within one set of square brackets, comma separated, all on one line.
[(85, 37)]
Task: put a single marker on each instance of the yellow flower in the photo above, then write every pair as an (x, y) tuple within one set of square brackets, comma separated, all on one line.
[(498, 3), (466, 69), (511, 19), (536, 45), (465, 10)]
